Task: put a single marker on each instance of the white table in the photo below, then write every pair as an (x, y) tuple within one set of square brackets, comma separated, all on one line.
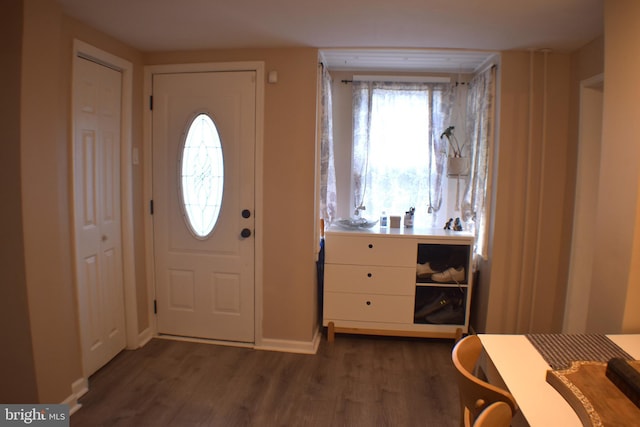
[(512, 362)]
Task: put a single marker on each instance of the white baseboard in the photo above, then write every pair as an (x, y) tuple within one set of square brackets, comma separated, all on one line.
[(78, 389), (289, 346), (144, 337)]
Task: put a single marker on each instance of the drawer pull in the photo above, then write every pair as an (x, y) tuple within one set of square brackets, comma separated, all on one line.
[(369, 274), (368, 302), (370, 245)]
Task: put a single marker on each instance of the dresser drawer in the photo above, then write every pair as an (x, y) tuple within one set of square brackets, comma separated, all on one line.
[(369, 279), (368, 308), (370, 250)]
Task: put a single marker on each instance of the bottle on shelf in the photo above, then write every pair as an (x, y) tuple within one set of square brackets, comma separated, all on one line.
[(384, 220)]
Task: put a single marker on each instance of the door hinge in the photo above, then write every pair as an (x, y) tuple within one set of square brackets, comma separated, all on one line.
[(151, 102), (151, 206), (155, 307)]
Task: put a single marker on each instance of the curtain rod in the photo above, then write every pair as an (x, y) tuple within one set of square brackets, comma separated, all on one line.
[(399, 79), (457, 83)]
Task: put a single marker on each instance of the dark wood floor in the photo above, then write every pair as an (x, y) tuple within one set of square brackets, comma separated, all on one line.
[(355, 381)]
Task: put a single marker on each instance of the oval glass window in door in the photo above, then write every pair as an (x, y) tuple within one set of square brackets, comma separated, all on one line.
[(202, 176)]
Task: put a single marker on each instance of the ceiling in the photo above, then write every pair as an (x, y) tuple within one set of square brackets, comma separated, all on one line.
[(419, 28)]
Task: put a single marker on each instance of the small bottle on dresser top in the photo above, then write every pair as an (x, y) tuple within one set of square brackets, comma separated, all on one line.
[(384, 220)]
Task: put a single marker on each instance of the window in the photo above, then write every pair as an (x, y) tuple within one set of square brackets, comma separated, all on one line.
[(398, 155), (398, 163), (202, 176)]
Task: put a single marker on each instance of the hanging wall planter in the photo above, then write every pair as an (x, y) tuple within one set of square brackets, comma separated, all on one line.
[(457, 165)]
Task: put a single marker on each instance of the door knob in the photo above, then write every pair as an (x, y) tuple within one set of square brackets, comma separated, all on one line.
[(245, 233)]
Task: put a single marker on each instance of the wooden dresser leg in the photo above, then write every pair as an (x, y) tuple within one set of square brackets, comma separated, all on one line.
[(331, 332)]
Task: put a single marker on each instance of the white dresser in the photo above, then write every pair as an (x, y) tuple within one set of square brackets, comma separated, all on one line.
[(397, 281)]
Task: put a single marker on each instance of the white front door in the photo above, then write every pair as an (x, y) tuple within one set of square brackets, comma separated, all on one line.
[(203, 207), (96, 177)]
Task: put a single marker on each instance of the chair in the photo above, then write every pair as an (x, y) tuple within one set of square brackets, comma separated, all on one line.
[(497, 414), (475, 394)]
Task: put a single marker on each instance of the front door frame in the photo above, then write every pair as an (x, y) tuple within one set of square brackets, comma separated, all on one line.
[(92, 53), (149, 72)]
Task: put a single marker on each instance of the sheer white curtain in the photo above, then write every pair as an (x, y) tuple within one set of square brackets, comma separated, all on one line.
[(398, 155), (480, 128), (327, 168), (443, 99)]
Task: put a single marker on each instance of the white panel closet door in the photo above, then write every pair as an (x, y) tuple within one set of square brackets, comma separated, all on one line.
[(96, 178)]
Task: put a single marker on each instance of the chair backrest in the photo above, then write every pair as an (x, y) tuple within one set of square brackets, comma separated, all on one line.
[(475, 394), (497, 414)]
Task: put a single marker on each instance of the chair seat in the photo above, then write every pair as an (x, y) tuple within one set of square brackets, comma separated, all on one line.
[(497, 414)]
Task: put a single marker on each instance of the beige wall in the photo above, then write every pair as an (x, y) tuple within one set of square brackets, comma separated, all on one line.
[(45, 202), (616, 289), (17, 368)]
